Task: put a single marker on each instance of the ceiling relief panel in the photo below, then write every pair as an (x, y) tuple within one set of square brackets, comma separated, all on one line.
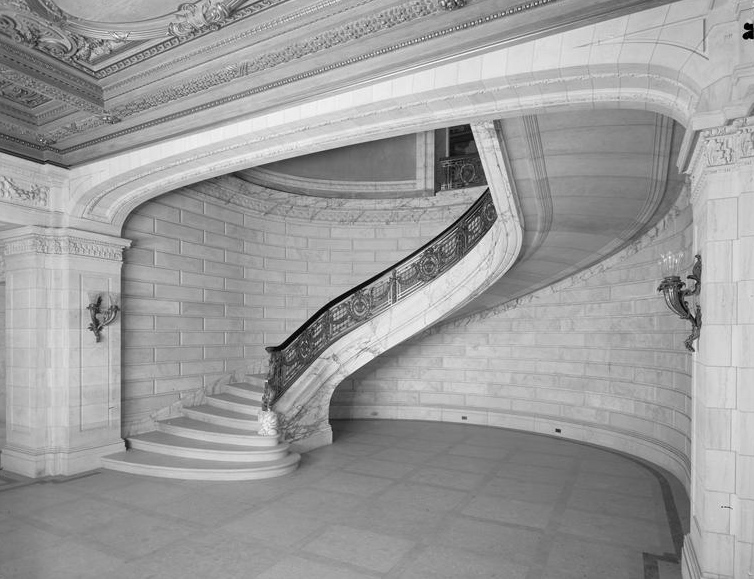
[(82, 79)]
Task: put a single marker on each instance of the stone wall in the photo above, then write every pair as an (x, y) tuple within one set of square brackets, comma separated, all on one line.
[(2, 358), (596, 357), (209, 281)]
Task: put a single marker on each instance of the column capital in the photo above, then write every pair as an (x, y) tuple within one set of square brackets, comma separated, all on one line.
[(721, 150), (59, 241)]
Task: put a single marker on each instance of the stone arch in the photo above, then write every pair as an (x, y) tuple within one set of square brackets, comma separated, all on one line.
[(103, 204)]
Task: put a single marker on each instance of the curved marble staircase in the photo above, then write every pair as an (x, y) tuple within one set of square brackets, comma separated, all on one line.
[(217, 440)]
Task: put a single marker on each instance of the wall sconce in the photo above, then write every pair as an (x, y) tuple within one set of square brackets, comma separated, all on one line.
[(100, 318), (676, 297)]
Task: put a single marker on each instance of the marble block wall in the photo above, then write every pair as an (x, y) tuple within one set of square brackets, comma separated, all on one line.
[(220, 270), (2, 356), (597, 356)]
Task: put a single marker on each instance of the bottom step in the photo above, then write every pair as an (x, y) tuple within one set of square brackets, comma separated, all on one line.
[(150, 464)]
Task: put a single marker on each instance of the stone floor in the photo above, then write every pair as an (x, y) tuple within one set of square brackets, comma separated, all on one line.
[(389, 499)]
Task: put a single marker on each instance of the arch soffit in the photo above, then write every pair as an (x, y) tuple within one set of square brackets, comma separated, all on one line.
[(106, 206)]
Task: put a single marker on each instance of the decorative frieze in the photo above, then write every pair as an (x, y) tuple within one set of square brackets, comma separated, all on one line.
[(38, 240), (35, 195)]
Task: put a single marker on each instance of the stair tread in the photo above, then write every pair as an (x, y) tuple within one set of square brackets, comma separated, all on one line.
[(214, 411), (227, 397), (140, 457), (210, 427), (183, 442)]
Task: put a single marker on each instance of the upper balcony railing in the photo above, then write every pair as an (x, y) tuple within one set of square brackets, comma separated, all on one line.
[(461, 172), (367, 300)]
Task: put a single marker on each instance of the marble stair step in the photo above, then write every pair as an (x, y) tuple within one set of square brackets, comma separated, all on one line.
[(159, 465), (257, 379), (235, 403), (171, 445), (197, 429), (223, 417), (245, 390)]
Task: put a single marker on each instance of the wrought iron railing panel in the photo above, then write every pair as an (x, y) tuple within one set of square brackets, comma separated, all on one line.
[(368, 300), (460, 172)]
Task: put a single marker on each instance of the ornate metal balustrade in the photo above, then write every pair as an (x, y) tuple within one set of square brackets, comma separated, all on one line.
[(359, 305), (460, 172)]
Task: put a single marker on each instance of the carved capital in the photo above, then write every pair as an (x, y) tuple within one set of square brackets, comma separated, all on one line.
[(721, 149), (54, 241)]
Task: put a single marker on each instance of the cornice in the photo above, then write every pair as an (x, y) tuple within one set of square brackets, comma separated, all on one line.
[(332, 187), (348, 33), (59, 242), (721, 150), (261, 201)]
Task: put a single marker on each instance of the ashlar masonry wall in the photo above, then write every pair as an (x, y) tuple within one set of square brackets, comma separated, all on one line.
[(596, 357), (2, 358), (220, 270)]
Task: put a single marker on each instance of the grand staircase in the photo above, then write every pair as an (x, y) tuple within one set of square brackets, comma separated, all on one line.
[(217, 440)]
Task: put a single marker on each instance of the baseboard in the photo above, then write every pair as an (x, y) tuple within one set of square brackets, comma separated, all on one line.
[(59, 462)]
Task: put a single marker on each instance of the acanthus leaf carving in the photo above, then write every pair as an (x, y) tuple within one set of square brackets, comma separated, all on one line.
[(199, 16)]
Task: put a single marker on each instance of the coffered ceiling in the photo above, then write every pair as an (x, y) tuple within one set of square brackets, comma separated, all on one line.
[(80, 80)]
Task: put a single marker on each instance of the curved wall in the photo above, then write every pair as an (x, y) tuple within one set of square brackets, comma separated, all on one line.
[(596, 355), (219, 270)]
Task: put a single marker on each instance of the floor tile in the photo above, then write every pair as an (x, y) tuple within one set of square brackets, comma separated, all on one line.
[(453, 479), (416, 498), (372, 551), (438, 562), (512, 543), (573, 557), (509, 511), (293, 567)]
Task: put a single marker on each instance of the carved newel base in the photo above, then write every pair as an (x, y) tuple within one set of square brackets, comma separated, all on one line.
[(268, 423)]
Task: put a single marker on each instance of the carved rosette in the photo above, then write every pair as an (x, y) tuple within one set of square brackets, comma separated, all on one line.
[(429, 266), (360, 305), (721, 149)]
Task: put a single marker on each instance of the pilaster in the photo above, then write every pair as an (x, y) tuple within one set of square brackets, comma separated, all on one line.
[(63, 386), (721, 542)]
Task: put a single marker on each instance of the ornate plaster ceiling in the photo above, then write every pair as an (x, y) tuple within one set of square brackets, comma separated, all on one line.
[(81, 80)]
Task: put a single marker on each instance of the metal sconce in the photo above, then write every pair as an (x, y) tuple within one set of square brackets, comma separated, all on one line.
[(676, 296), (100, 318)]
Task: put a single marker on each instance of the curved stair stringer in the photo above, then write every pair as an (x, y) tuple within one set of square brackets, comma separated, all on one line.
[(303, 409)]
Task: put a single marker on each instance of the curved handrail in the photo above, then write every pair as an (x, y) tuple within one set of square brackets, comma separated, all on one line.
[(370, 298)]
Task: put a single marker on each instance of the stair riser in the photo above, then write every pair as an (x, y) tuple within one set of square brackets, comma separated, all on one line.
[(189, 474), (233, 407), (241, 393), (250, 425), (202, 454), (239, 440)]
